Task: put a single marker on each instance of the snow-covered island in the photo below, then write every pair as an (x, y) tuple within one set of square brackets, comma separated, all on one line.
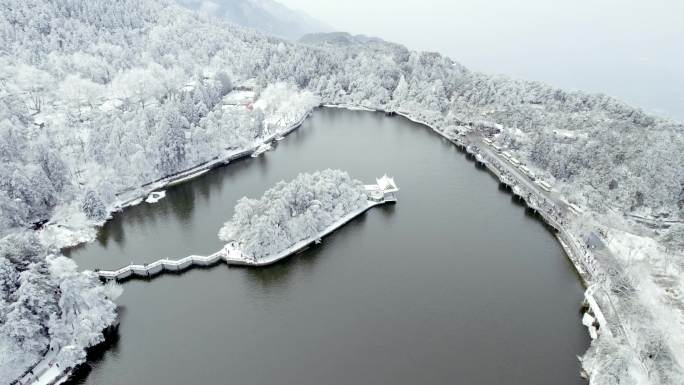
[(292, 211), (291, 215)]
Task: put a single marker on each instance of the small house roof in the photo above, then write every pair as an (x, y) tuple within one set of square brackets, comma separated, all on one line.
[(386, 183)]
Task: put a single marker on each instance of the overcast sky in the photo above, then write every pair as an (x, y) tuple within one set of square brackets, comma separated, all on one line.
[(630, 49)]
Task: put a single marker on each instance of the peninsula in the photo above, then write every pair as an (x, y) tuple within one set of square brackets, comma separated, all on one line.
[(287, 219)]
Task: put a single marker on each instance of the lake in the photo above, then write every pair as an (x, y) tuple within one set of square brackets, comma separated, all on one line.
[(458, 283)]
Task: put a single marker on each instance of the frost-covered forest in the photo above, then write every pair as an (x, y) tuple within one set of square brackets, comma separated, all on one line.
[(605, 153), (103, 96), (46, 303), (292, 211), (99, 97)]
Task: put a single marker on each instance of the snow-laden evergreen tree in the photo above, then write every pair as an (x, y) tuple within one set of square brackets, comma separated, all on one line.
[(93, 207), (46, 301)]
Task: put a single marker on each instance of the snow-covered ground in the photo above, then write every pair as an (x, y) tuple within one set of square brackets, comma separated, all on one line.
[(68, 226), (658, 276), (239, 98), (46, 372)]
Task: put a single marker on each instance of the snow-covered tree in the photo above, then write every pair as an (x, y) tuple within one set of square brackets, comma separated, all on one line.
[(93, 207), (86, 305), (225, 82)]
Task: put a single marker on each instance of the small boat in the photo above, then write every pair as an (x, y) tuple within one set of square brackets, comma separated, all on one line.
[(279, 138), (155, 196), (318, 241), (261, 149)]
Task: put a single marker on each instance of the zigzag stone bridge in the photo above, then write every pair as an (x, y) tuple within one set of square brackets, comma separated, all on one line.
[(380, 193)]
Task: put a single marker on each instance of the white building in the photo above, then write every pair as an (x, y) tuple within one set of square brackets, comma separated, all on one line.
[(383, 189)]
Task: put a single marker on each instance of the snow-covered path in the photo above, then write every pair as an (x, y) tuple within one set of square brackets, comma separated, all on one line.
[(50, 375), (45, 372)]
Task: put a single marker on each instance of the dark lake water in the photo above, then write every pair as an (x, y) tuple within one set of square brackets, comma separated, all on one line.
[(455, 284)]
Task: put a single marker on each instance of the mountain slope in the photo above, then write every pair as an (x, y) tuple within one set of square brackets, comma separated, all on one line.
[(267, 16), (99, 97)]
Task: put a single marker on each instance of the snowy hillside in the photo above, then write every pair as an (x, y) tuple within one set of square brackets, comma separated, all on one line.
[(267, 16), (98, 98)]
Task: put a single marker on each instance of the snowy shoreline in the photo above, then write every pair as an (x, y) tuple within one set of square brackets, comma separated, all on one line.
[(601, 312), (199, 170), (566, 239), (62, 235), (572, 255), (138, 195), (84, 234)]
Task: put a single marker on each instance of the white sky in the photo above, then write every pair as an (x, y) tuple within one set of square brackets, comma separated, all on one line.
[(631, 49)]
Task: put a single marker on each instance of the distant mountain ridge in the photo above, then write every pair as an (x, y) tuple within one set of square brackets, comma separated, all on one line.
[(267, 16), (339, 38)]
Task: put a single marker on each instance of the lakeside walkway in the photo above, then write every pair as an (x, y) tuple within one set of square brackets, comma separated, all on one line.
[(45, 372), (133, 196), (378, 194)]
